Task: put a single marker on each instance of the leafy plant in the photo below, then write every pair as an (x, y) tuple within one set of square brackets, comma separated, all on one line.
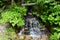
[(56, 34), (49, 11), (14, 15)]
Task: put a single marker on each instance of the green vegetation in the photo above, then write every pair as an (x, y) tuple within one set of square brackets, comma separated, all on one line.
[(56, 34), (14, 15), (10, 32), (47, 10), (3, 37)]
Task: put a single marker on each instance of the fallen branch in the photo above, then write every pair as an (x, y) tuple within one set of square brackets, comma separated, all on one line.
[(29, 4)]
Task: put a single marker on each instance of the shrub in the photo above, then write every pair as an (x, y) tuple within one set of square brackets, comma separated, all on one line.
[(14, 15)]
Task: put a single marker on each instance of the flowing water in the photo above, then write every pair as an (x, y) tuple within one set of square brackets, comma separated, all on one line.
[(32, 25)]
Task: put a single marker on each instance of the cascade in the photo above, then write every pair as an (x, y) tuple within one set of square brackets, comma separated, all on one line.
[(32, 25)]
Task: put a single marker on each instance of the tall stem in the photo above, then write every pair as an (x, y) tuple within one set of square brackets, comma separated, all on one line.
[(12, 2)]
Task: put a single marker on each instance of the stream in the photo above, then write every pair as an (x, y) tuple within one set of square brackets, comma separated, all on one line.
[(32, 28)]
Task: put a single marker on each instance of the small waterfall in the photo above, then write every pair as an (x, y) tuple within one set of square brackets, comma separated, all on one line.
[(32, 27)]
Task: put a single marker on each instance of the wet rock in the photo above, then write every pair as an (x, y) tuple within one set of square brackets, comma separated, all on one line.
[(2, 29), (44, 37)]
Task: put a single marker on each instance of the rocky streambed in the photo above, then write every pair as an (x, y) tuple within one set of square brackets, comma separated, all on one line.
[(27, 37), (31, 31), (3, 36)]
